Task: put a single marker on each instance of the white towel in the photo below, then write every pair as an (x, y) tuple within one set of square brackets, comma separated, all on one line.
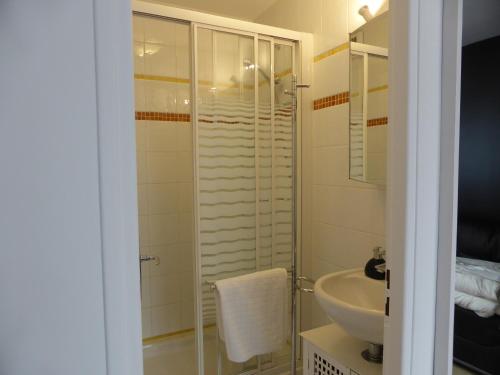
[(482, 307), (478, 286), (251, 313)]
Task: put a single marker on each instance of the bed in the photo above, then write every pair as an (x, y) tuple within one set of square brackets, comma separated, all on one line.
[(476, 339)]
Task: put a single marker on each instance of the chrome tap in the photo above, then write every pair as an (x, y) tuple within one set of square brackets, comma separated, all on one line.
[(380, 267), (379, 253), (375, 268)]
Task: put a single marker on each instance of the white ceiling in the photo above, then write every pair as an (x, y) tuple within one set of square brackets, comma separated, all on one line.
[(481, 20), (242, 9)]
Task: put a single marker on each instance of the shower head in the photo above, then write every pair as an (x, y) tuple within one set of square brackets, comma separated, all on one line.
[(247, 64)]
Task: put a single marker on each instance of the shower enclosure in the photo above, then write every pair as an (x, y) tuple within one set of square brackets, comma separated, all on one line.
[(231, 93)]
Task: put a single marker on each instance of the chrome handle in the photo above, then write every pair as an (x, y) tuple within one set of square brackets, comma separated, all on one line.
[(305, 278), (308, 279), (297, 86), (148, 258), (380, 267), (306, 290)]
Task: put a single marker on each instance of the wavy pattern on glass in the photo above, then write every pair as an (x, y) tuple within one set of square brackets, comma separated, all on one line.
[(245, 161), (227, 190)]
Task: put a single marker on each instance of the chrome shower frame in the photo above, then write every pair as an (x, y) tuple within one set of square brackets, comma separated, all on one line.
[(296, 287)]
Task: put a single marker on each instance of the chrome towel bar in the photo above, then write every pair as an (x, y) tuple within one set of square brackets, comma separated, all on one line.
[(211, 283)]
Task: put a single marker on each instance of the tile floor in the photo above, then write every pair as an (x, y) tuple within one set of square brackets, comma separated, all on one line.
[(177, 356)]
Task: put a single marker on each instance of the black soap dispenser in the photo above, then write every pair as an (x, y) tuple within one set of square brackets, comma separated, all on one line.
[(373, 267)]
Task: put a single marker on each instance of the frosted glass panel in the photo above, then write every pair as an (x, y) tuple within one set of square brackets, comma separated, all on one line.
[(265, 155), (227, 169), (282, 157), (226, 141), (244, 144)]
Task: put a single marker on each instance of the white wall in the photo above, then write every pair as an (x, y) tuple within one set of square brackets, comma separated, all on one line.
[(51, 299), (347, 218)]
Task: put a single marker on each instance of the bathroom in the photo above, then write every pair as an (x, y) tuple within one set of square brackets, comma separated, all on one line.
[(224, 191), (234, 168), (276, 154)]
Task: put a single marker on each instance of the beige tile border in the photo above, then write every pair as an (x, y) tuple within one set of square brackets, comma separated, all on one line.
[(148, 77), (378, 88)]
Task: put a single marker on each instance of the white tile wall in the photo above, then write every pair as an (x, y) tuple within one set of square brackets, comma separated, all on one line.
[(162, 198), (164, 170), (330, 126), (347, 217), (146, 322), (326, 79), (161, 136), (166, 318), (140, 94), (163, 61)]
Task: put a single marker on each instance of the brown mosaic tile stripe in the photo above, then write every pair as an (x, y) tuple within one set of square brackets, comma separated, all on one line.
[(332, 100), (377, 121), (162, 116)]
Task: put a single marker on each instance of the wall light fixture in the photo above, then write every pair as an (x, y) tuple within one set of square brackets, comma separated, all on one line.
[(364, 11)]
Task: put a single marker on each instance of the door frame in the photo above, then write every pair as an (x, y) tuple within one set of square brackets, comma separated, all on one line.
[(416, 180), (422, 189), (413, 185), (448, 203), (118, 187)]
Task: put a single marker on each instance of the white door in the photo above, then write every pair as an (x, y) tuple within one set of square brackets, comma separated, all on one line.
[(53, 315)]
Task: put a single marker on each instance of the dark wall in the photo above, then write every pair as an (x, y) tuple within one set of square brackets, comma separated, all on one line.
[(479, 167)]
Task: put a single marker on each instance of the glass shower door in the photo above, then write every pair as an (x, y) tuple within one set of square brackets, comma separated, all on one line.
[(243, 136), (165, 189), (227, 187)]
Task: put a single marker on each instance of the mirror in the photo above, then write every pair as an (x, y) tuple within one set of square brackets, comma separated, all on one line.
[(368, 119)]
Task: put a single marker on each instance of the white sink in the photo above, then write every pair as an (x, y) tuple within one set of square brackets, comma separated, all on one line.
[(354, 301)]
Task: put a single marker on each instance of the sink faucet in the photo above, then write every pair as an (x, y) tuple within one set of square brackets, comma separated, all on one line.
[(379, 253), (380, 267), (375, 267)]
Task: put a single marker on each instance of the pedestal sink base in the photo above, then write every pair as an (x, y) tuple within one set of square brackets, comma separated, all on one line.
[(374, 353)]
